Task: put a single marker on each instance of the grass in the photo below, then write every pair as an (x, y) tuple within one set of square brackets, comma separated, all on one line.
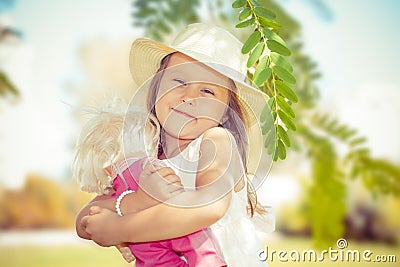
[(88, 255), (61, 256)]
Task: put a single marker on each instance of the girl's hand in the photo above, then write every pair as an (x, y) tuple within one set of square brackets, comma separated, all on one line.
[(102, 225), (159, 184), (126, 252)]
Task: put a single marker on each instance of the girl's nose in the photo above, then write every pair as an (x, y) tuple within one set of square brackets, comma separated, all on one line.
[(190, 94), (189, 101)]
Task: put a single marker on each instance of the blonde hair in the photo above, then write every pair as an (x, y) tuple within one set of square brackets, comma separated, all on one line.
[(237, 124), (109, 136)]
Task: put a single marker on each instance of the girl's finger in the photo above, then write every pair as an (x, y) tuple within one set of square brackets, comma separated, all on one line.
[(126, 253), (94, 210), (173, 179), (165, 171), (84, 222), (176, 190), (148, 168)]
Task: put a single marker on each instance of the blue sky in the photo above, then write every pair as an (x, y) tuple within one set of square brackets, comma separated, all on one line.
[(357, 52)]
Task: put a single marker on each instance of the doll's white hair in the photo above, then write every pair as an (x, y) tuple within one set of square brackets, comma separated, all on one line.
[(110, 135)]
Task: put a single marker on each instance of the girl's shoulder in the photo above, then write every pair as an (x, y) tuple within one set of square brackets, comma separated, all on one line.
[(218, 147), (210, 139), (219, 140), (218, 134), (215, 134)]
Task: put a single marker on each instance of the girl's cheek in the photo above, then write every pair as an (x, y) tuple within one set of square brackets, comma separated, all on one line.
[(213, 108), (166, 86)]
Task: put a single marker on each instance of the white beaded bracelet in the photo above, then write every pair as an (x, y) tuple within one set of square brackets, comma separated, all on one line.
[(119, 199)]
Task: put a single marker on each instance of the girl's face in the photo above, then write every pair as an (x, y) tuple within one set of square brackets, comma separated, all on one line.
[(191, 99)]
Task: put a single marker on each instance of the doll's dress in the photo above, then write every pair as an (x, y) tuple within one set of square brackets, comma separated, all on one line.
[(238, 235)]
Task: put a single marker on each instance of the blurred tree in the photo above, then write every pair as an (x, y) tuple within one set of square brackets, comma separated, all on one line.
[(275, 33), (41, 203), (6, 34)]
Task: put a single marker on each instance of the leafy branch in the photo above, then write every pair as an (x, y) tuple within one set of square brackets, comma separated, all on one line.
[(158, 17), (325, 196), (271, 72)]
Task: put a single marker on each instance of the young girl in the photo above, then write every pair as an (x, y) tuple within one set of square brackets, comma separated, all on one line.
[(203, 108), (100, 144)]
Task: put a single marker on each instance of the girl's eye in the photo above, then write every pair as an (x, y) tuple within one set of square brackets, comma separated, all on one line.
[(180, 81), (208, 91)]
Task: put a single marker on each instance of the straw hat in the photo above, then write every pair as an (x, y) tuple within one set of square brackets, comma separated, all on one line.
[(216, 48)]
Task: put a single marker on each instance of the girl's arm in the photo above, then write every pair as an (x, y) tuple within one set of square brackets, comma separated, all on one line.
[(166, 221), (164, 187), (102, 201), (105, 202), (160, 222)]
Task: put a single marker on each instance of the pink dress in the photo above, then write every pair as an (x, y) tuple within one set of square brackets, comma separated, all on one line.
[(198, 249)]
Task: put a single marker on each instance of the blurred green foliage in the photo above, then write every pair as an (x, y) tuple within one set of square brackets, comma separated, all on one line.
[(156, 16)]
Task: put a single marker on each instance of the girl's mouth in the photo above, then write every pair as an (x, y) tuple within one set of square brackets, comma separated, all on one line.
[(183, 113)]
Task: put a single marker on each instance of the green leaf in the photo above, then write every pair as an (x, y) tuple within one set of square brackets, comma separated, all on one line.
[(244, 14), (275, 158), (269, 23), (270, 140), (262, 76), (245, 23), (357, 141), (272, 148), (273, 36), (255, 55), (267, 126), (284, 136), (286, 120), (262, 64), (281, 150), (286, 91), (265, 13), (271, 103), (251, 42), (265, 113), (268, 123), (285, 107), (239, 3), (281, 61), (284, 74), (274, 46)]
